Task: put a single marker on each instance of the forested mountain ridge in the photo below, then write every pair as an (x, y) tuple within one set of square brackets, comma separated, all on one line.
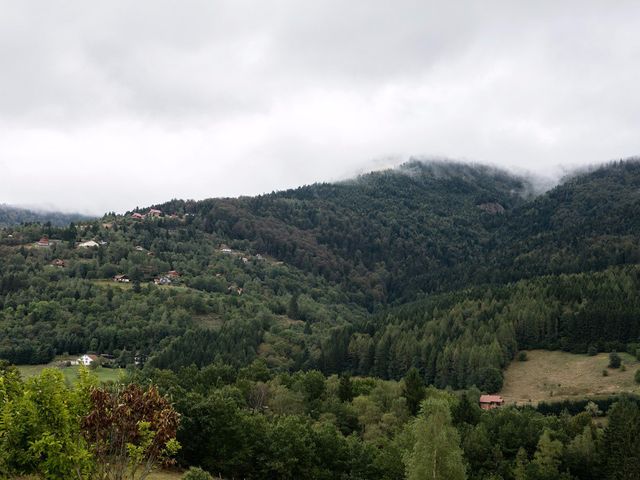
[(10, 215), (588, 222), (437, 226), (384, 236), (293, 277)]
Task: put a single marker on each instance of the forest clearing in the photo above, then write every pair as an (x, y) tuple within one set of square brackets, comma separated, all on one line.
[(552, 376)]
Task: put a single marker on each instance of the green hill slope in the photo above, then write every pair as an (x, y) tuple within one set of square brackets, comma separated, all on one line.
[(320, 276)]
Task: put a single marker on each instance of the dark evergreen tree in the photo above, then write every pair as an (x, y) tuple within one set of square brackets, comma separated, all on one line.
[(413, 390)]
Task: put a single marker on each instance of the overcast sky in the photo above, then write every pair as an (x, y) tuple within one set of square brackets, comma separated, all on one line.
[(110, 105)]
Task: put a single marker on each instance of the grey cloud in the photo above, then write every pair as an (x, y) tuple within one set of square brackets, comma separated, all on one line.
[(204, 98)]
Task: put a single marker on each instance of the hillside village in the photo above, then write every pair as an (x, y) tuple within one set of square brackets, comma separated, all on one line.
[(167, 278)]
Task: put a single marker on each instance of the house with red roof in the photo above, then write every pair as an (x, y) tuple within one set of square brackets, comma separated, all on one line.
[(43, 242), (489, 402)]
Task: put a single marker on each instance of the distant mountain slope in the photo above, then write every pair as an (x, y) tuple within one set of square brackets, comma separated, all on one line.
[(436, 226), (589, 222), (10, 215), (293, 277), (386, 235)]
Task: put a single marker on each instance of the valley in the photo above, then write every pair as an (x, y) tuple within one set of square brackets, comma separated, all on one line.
[(322, 329)]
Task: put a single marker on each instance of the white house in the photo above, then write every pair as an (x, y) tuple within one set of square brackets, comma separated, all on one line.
[(162, 280), (87, 360), (89, 244)]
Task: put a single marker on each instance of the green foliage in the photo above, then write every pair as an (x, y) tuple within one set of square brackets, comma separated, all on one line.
[(622, 441), (614, 360), (195, 473), (40, 428), (268, 349), (547, 458), (413, 390), (436, 453), (345, 389)]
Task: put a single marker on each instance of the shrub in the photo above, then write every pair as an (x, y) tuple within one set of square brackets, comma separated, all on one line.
[(637, 376), (623, 368), (614, 360), (490, 380), (605, 373), (522, 356), (592, 351), (195, 473), (592, 409)]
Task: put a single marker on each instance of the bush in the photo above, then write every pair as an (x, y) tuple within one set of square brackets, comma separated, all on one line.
[(605, 373), (614, 360), (592, 351), (490, 380), (522, 356), (637, 376), (195, 473), (623, 368)]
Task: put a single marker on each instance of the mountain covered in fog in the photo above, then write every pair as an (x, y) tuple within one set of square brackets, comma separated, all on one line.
[(10, 215)]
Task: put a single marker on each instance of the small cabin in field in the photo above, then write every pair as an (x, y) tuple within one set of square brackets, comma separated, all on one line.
[(154, 213), (121, 279), (489, 402), (137, 216)]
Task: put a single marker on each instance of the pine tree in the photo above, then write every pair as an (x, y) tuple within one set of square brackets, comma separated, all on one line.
[(520, 468), (293, 311), (548, 456), (345, 388), (622, 441), (413, 390)]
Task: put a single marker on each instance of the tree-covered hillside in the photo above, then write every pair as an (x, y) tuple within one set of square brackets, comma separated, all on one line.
[(306, 278), (589, 222), (384, 236), (295, 333)]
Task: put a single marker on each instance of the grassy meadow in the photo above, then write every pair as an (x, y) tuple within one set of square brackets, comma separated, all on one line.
[(71, 373), (549, 376)]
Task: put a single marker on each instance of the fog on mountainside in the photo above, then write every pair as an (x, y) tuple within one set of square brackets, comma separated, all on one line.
[(11, 215)]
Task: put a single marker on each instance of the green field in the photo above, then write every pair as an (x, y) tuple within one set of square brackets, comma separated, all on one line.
[(549, 376), (71, 373)]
